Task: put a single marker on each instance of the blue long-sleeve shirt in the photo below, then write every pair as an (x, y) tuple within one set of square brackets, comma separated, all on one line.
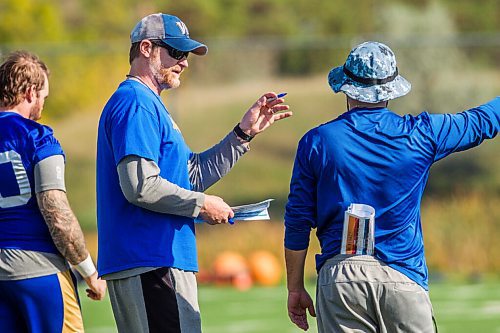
[(376, 157)]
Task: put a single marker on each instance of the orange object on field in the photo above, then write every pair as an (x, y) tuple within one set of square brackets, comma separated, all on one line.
[(232, 268), (242, 281), (265, 268), (228, 264)]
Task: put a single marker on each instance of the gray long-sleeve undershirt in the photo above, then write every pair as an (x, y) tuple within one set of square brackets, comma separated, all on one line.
[(143, 186)]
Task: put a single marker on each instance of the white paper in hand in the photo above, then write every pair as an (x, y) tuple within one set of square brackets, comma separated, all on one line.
[(250, 212)]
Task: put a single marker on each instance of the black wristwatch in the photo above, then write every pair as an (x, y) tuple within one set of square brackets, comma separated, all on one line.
[(242, 135)]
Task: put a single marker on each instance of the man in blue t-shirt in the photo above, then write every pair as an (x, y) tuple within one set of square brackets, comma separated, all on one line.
[(150, 184), (372, 158), (39, 234)]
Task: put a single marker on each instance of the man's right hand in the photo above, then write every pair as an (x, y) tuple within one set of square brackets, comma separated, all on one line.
[(215, 210), (97, 287)]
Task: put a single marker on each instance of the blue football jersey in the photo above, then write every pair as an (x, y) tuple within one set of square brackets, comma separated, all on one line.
[(23, 143)]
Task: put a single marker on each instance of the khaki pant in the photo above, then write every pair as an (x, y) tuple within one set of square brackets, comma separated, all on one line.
[(362, 294)]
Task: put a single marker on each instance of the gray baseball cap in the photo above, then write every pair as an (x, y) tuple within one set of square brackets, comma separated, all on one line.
[(369, 74), (170, 30)]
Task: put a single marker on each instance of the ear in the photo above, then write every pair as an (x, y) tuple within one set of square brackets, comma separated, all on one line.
[(146, 48), (30, 94)]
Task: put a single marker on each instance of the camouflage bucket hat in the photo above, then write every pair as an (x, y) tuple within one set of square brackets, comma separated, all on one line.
[(369, 74)]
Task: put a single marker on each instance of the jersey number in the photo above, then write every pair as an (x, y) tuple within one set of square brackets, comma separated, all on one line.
[(23, 182)]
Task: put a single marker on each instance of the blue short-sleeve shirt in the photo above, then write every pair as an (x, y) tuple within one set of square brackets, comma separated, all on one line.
[(136, 122)]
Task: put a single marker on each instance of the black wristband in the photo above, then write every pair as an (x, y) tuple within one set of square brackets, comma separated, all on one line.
[(242, 135)]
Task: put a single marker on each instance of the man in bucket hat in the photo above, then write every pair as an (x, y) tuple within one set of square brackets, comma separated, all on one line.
[(370, 156), (150, 184)]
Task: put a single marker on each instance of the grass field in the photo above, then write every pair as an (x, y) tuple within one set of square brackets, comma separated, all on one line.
[(458, 308)]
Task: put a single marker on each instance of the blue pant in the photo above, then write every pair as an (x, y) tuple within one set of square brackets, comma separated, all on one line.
[(47, 304)]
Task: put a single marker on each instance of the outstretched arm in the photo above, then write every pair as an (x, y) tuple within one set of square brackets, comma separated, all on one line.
[(461, 131), (298, 298)]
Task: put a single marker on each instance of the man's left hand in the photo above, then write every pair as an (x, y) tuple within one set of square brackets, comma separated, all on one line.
[(298, 302), (263, 113)]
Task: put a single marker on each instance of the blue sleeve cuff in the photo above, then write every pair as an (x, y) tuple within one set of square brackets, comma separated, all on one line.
[(296, 238)]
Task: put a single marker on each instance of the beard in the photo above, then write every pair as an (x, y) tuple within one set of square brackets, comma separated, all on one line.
[(168, 79), (165, 76), (36, 111)]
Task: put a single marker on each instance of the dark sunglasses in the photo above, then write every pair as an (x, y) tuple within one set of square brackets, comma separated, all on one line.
[(174, 53)]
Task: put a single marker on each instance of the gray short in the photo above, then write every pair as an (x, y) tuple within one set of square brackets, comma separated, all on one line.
[(161, 300), (362, 294)]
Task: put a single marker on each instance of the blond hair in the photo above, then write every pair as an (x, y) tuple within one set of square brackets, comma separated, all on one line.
[(20, 71)]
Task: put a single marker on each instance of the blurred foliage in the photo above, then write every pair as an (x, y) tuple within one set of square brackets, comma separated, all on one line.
[(461, 233), (31, 20), (55, 20), (85, 43), (475, 15), (436, 66)]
